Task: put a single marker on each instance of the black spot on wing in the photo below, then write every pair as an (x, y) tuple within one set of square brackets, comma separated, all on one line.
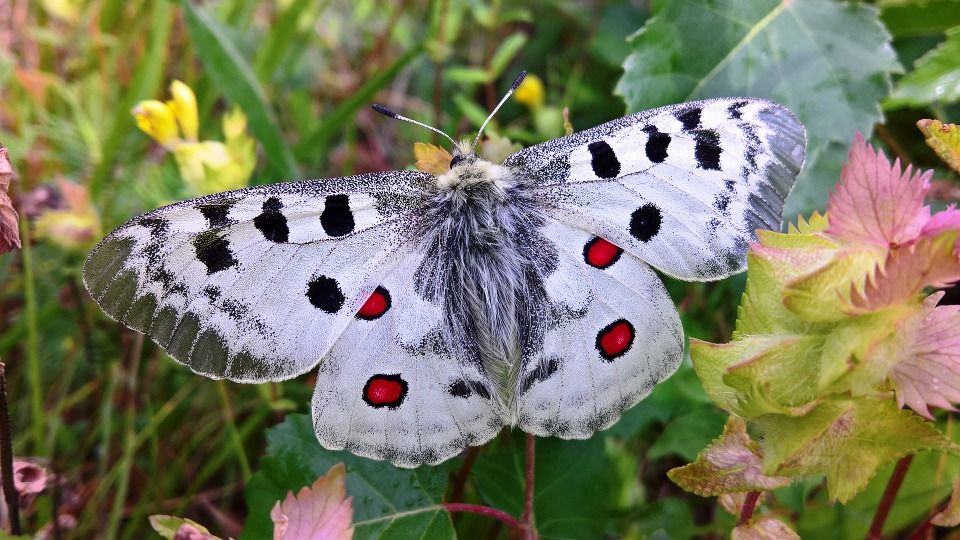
[(707, 149), (690, 118), (465, 388), (216, 213), (158, 226), (645, 222), (271, 221), (734, 112), (543, 371), (213, 251), (603, 160), (336, 218), (325, 294), (657, 143)]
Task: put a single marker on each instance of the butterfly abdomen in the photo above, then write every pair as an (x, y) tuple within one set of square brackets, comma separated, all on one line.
[(484, 265)]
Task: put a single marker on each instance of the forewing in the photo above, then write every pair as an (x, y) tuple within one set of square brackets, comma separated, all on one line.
[(256, 284), (391, 390), (613, 333), (682, 187)]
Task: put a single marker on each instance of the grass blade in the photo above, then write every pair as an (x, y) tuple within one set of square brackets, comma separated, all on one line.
[(234, 77)]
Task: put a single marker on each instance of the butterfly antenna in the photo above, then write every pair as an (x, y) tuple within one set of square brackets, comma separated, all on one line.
[(387, 112), (513, 88)]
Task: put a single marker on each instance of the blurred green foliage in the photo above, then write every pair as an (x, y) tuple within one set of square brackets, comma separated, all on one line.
[(132, 433)]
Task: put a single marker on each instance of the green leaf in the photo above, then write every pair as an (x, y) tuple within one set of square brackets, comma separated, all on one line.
[(730, 464), (829, 62), (944, 139), (935, 78), (758, 375), (847, 440), (166, 526), (505, 53), (233, 76), (574, 484), (387, 502), (927, 481), (686, 435), (912, 18)]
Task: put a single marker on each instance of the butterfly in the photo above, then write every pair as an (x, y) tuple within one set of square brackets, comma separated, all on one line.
[(439, 309)]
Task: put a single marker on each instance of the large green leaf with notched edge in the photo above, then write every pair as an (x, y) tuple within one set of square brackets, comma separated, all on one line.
[(574, 483), (829, 62), (388, 502), (936, 78)]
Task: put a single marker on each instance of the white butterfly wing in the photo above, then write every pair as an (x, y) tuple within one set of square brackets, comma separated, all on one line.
[(390, 389), (613, 334), (256, 284), (681, 187)]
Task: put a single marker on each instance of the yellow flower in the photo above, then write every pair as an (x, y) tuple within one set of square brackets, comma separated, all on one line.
[(206, 166), (157, 120), (184, 107), (531, 92), (74, 228)]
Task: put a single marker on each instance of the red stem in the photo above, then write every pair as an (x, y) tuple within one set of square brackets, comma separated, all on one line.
[(749, 505), (889, 494), (485, 511), (460, 480), (530, 531)]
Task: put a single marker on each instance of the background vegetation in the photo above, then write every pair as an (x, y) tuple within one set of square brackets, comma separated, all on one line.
[(127, 433)]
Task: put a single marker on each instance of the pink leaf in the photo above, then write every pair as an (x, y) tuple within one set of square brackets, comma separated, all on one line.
[(876, 202), (319, 512), (930, 262), (9, 222), (942, 221), (28, 477), (928, 371)]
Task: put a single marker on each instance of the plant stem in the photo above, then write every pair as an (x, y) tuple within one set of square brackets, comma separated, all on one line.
[(889, 494), (460, 480), (749, 505), (485, 511), (6, 457), (530, 531), (34, 375)]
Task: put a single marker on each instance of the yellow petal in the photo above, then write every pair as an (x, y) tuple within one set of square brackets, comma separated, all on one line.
[(184, 106), (432, 159), (157, 120), (531, 92), (234, 124)]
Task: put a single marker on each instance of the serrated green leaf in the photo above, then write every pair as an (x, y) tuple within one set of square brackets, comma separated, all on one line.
[(935, 78), (233, 76), (729, 464), (824, 295), (847, 440), (944, 139), (760, 375), (388, 502), (574, 484), (800, 54)]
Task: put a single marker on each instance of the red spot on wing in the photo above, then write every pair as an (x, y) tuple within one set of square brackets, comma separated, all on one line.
[(385, 391), (376, 305), (600, 253), (615, 339)]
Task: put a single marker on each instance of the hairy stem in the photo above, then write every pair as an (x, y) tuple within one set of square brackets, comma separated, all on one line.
[(749, 505), (500, 515), (889, 494), (6, 457), (460, 480), (530, 531)]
